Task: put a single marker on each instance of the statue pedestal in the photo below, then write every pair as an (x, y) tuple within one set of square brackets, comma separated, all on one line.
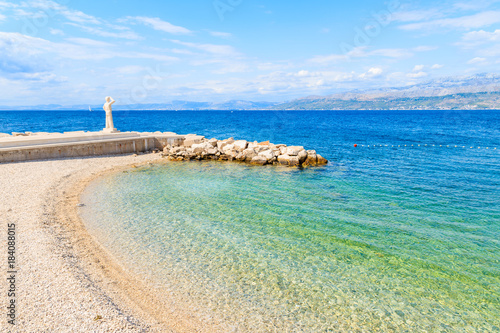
[(110, 130)]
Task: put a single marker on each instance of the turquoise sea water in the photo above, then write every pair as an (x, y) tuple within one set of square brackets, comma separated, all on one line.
[(403, 235), (385, 238)]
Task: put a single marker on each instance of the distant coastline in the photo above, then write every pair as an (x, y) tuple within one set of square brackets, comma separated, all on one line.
[(461, 101), (478, 92)]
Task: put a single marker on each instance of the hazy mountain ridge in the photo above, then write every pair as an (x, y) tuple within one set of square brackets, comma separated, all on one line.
[(172, 106), (480, 91), (438, 87), (462, 101)]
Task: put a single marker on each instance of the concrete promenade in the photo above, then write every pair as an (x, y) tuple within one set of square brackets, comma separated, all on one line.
[(37, 146)]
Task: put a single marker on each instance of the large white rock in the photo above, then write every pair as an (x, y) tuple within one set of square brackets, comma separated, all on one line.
[(228, 147), (288, 160), (213, 142), (293, 150), (231, 154), (258, 160), (311, 159), (240, 157), (201, 147), (260, 148), (221, 144), (192, 139), (252, 144), (240, 145), (249, 154), (176, 150), (269, 155), (302, 155)]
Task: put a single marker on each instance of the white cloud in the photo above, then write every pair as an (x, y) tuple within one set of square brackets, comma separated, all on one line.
[(372, 73), (493, 51), (41, 51), (482, 36), (141, 55), (2, 17), (419, 68), (468, 22), (332, 58), (182, 51), (47, 10), (56, 32), (106, 33), (128, 70), (416, 75), (160, 25), (303, 73), (4, 4), (70, 14), (416, 15), (390, 53), (282, 82), (270, 66), (221, 34), (232, 67), (484, 43), (476, 60), (474, 5), (223, 50), (44, 77), (269, 86), (360, 52), (424, 48), (89, 42)]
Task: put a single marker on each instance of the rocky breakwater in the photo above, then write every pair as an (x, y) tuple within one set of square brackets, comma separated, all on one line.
[(257, 153)]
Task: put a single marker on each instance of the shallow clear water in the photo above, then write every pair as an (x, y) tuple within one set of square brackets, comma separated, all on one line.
[(309, 250), (384, 238)]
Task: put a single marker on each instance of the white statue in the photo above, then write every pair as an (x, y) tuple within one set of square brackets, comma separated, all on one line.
[(110, 128)]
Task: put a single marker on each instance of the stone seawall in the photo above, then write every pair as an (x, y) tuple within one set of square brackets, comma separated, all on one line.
[(257, 153), (78, 144), (37, 146)]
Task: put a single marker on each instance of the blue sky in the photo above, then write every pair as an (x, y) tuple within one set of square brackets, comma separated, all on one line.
[(76, 52)]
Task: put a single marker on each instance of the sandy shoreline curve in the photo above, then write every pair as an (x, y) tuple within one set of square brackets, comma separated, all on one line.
[(66, 280)]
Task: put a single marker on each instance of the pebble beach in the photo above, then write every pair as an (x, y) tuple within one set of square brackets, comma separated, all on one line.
[(63, 283)]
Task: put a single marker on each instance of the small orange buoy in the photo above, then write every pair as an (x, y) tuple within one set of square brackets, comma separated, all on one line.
[(355, 145)]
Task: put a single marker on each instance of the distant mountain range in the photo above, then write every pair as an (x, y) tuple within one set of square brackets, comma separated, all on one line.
[(174, 105), (469, 92), (480, 91)]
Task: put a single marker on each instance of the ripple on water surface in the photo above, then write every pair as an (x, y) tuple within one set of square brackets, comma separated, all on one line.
[(264, 248)]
